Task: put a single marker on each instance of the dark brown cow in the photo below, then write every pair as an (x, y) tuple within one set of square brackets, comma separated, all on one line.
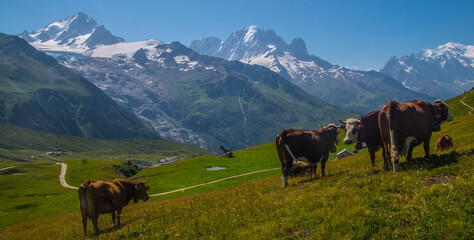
[(365, 130), (444, 143), (406, 125), (98, 197), (314, 145)]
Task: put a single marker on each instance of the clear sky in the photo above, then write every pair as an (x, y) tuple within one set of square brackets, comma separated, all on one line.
[(359, 34)]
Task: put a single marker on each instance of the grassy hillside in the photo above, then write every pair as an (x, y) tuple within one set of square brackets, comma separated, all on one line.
[(425, 200)]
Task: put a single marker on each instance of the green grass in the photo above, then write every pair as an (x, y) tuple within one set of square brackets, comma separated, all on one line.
[(425, 200)]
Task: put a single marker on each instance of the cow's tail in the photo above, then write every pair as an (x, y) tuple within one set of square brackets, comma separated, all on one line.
[(391, 122), (285, 155)]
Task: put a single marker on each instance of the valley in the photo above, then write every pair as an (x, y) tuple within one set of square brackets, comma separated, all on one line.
[(425, 199)]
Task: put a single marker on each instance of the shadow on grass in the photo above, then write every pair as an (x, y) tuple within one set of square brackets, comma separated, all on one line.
[(108, 229), (310, 177), (435, 161)]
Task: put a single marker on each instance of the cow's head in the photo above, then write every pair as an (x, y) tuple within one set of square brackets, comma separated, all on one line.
[(139, 190), (442, 112), (352, 130), (335, 130)]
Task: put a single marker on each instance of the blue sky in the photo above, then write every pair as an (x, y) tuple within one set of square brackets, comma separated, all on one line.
[(360, 34)]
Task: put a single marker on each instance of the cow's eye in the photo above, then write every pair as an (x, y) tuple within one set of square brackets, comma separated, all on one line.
[(354, 131)]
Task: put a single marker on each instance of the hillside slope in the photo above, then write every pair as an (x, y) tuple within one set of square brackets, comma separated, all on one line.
[(425, 200), (36, 92)]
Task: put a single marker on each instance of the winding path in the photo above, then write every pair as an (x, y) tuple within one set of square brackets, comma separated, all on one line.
[(211, 182), (62, 180), (472, 109), (2, 169)]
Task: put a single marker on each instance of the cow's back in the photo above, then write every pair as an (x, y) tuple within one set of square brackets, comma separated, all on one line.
[(306, 143)]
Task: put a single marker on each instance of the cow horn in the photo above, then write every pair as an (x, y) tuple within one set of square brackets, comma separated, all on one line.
[(342, 121), (146, 181)]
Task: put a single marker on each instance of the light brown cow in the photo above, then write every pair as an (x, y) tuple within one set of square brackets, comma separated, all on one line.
[(98, 197)]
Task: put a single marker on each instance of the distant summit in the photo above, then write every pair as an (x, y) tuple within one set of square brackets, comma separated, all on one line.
[(352, 90), (443, 72), (77, 32)]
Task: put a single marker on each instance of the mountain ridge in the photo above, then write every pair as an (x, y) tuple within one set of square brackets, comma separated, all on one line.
[(444, 72), (337, 85), (192, 98)]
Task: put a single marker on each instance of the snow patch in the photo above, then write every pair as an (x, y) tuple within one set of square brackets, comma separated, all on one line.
[(250, 33), (127, 49)]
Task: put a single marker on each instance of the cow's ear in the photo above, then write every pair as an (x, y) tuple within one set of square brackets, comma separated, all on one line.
[(147, 187)]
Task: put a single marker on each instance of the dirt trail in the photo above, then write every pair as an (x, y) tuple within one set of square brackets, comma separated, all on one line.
[(472, 109), (64, 184), (211, 182), (62, 180), (2, 169)]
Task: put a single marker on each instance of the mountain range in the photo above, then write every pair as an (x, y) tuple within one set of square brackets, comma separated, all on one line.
[(188, 97), (37, 92), (443, 72), (360, 91)]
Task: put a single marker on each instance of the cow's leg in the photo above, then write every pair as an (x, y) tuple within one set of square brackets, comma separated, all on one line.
[(84, 221), (385, 163), (387, 158), (426, 146), (395, 157), (313, 169), (323, 164), (372, 156), (286, 168), (113, 217), (409, 153), (95, 220), (119, 213)]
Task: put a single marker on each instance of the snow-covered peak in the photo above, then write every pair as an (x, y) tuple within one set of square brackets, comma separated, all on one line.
[(463, 53), (76, 33)]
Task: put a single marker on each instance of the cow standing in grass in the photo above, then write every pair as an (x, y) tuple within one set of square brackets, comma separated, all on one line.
[(98, 197), (314, 145), (406, 125), (365, 130)]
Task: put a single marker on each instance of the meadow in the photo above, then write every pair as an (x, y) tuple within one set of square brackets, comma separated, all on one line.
[(425, 200)]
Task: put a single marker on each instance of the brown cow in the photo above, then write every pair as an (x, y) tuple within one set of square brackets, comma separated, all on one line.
[(406, 125), (444, 143), (314, 145), (365, 130), (98, 197)]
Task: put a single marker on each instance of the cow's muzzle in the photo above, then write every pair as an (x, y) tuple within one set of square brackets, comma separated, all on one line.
[(347, 141)]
